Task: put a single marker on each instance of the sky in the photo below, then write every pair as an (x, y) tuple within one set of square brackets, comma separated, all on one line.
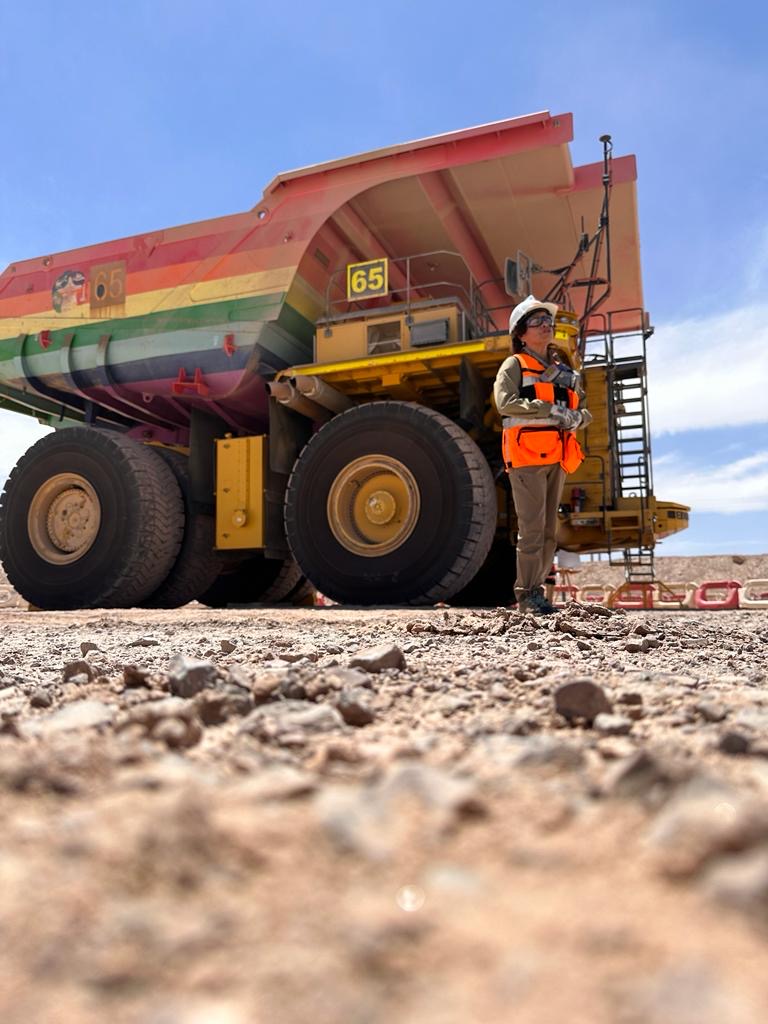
[(131, 116)]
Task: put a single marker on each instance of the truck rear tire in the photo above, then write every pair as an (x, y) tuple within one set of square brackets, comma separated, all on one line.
[(257, 580), (197, 565), (89, 519), (390, 503)]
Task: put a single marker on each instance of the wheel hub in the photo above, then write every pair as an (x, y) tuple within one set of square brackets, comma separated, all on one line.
[(373, 505), (380, 507), (64, 518)]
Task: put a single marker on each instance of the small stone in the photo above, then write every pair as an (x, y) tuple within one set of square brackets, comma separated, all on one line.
[(522, 723), (214, 707), (289, 718), (612, 725), (9, 724), (630, 697), (86, 647), (615, 748), (292, 688), (733, 742), (135, 678), (705, 819), (281, 782), (633, 647), (188, 676), (581, 699), (353, 707), (80, 714), (333, 679), (294, 656), (376, 659), (144, 641), (177, 734), (150, 712), (448, 705), (40, 698), (711, 711), (636, 776), (227, 646), (78, 668)]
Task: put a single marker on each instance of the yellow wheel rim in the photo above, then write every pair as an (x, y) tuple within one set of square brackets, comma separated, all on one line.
[(373, 505), (64, 518)]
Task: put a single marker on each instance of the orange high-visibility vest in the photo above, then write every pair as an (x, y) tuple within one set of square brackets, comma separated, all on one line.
[(541, 446)]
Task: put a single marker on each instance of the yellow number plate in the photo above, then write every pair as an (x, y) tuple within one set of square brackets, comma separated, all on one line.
[(366, 280), (107, 285)]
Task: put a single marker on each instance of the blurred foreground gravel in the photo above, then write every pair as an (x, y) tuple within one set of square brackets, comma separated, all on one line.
[(430, 816)]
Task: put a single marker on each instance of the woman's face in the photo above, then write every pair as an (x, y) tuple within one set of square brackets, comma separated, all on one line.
[(539, 332)]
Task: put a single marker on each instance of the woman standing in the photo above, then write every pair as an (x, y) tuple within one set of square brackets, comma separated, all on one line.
[(541, 402)]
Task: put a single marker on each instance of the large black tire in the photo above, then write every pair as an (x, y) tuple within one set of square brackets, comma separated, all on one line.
[(197, 564), (89, 519), (390, 503), (256, 580)]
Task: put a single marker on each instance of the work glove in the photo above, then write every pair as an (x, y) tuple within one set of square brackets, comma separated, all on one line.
[(560, 415), (557, 373), (570, 419)]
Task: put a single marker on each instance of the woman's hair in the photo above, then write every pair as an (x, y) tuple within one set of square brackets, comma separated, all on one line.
[(517, 334)]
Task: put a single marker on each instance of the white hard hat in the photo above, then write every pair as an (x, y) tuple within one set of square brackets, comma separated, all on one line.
[(527, 306)]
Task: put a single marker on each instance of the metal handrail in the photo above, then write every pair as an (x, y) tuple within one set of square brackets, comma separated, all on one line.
[(476, 309)]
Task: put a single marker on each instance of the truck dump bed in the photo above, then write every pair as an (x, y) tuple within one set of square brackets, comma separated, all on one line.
[(140, 330)]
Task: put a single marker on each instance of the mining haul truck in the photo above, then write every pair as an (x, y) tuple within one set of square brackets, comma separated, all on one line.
[(302, 394)]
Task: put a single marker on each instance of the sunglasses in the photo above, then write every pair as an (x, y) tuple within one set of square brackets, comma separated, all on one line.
[(539, 319)]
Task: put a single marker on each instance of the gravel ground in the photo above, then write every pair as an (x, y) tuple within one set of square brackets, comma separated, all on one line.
[(432, 816)]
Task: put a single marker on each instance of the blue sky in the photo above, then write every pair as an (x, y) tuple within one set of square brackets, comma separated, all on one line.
[(129, 116)]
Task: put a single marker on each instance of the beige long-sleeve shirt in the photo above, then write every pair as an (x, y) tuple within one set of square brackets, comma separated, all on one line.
[(506, 391)]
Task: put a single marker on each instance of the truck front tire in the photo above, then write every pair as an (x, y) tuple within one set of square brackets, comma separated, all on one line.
[(89, 519), (390, 503)]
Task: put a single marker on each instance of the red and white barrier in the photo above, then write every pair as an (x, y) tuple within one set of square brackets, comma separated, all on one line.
[(634, 596), (717, 595), (754, 594), (711, 595), (562, 593), (595, 593), (674, 596)]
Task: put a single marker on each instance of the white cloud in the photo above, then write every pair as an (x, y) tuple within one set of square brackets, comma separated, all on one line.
[(17, 434), (709, 371), (739, 486)]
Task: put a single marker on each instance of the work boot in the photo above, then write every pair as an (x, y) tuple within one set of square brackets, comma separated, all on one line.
[(547, 607), (534, 603)]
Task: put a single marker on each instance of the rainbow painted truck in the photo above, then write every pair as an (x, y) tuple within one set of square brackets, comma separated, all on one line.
[(303, 392)]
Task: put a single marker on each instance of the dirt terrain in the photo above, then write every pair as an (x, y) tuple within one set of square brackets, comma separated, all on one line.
[(423, 816)]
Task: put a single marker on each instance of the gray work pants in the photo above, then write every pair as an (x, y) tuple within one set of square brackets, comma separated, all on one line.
[(536, 491)]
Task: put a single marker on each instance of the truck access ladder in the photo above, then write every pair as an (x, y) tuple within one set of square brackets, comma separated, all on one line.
[(624, 353)]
